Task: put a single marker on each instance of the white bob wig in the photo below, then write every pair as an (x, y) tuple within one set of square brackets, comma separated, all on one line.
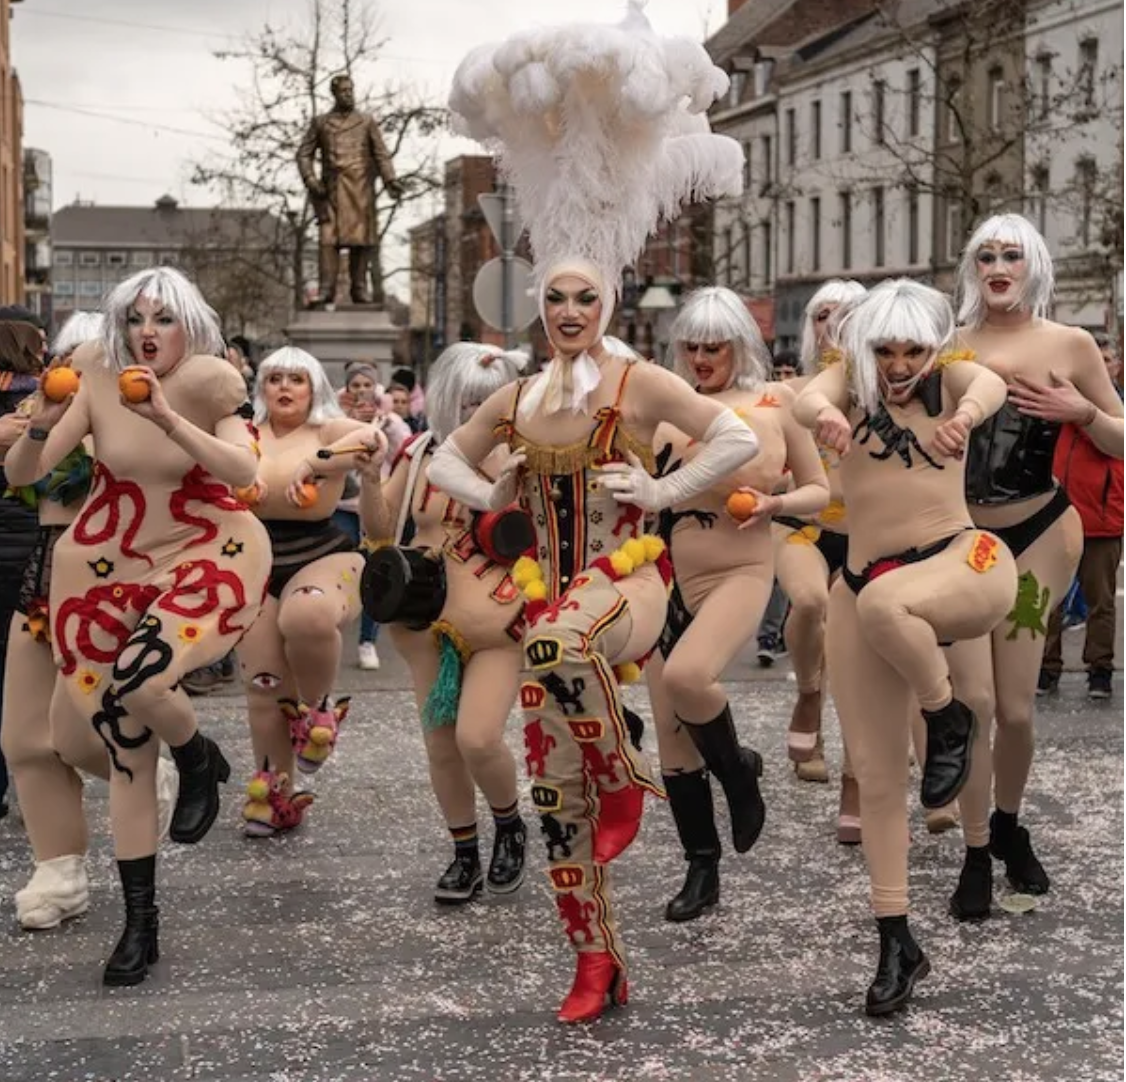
[(838, 291), (178, 296), (466, 374), (323, 407), (714, 315), (1039, 276), (898, 310), (79, 328)]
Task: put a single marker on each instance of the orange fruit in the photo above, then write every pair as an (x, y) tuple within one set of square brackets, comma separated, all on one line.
[(132, 386), (741, 505), (249, 494), (58, 384), (308, 495)]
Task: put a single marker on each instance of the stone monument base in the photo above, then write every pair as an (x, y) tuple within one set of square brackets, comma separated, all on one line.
[(347, 333)]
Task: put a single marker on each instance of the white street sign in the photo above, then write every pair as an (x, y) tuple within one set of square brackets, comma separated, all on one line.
[(488, 289), (492, 206)]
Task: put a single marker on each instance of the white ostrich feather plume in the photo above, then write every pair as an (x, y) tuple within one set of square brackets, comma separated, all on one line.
[(601, 130)]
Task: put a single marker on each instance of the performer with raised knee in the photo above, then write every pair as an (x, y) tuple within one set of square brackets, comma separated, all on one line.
[(899, 412)]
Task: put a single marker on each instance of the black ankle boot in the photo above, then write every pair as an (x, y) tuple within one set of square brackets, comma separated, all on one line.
[(738, 770), (690, 797), (137, 949), (950, 737), (506, 869), (902, 963), (635, 723), (461, 882), (973, 897), (202, 768), (1011, 843)]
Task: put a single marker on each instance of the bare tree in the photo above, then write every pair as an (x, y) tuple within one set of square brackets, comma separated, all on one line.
[(289, 72)]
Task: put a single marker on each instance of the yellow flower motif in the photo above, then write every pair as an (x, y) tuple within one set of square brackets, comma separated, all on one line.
[(190, 633), (835, 512), (88, 681)]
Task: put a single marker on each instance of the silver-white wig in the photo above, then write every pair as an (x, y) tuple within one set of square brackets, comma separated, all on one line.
[(898, 310), (323, 407), (80, 327), (1039, 283), (169, 288), (714, 315), (838, 291), (466, 373)]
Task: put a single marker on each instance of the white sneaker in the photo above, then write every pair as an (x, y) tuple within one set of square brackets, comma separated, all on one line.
[(56, 892), (368, 658), (167, 790)]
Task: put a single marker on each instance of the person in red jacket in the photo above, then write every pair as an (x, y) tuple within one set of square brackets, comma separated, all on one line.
[(1093, 483)]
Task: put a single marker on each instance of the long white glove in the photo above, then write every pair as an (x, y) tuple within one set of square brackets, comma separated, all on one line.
[(456, 476), (728, 444)]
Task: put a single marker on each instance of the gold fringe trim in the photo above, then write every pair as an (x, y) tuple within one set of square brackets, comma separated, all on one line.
[(374, 544), (444, 627), (953, 356), (580, 456)]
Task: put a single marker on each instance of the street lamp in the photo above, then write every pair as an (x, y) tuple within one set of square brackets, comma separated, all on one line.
[(657, 302)]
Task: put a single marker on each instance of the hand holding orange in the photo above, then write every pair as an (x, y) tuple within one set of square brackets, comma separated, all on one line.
[(58, 384), (307, 495), (133, 386), (741, 505), (249, 495)]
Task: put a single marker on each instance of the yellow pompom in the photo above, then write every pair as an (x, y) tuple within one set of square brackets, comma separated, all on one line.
[(635, 550), (258, 790), (536, 590), (628, 673), (654, 547), (620, 562), (526, 570)]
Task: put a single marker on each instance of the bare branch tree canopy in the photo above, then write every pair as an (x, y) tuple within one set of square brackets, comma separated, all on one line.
[(289, 70)]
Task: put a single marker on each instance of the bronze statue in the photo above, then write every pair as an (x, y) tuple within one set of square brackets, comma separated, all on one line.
[(352, 153)]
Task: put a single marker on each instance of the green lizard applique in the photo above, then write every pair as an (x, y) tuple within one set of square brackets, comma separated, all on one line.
[(1031, 607)]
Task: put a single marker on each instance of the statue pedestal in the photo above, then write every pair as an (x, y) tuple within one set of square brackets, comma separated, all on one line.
[(348, 333)]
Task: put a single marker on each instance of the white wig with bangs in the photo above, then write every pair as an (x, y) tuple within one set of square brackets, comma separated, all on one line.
[(80, 327), (1039, 283), (178, 296), (898, 310), (715, 315), (838, 291), (466, 373), (323, 407)]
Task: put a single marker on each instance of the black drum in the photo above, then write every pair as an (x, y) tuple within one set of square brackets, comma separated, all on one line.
[(504, 536), (404, 586)]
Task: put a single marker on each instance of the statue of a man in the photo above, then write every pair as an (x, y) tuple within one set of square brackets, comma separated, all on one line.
[(352, 152)]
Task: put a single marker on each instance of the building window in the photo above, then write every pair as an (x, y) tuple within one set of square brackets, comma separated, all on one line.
[(912, 225), (815, 134), (64, 257), (115, 259), (878, 112), (767, 253), (996, 97), (729, 254), (953, 111), (846, 230), (1086, 174), (748, 172), (89, 259), (791, 137), (878, 225), (1088, 63), (791, 240), (815, 230), (735, 91), (1041, 185), (993, 194), (141, 259), (747, 253), (1044, 81), (953, 229), (89, 289), (914, 101), (63, 289), (767, 159), (846, 121)]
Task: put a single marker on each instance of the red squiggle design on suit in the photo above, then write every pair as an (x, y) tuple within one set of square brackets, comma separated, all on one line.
[(109, 500), (205, 581), (199, 486), (98, 608)]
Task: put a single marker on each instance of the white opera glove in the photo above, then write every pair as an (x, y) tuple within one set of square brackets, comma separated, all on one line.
[(452, 473), (728, 444)]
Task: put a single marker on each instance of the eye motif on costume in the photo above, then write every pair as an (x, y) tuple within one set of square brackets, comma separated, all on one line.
[(896, 440), (265, 681)]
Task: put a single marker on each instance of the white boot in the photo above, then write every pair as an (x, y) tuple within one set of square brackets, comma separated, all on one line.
[(56, 892), (167, 789)]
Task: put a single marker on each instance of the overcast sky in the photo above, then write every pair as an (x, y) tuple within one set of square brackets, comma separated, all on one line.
[(121, 93)]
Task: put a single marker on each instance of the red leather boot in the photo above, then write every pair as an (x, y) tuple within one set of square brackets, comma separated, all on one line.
[(599, 984), (619, 820)]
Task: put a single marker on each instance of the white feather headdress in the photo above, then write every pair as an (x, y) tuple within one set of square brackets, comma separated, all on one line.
[(601, 130)]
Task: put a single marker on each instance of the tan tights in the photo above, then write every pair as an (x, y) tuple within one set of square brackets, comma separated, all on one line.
[(46, 742), (803, 575), (293, 651)]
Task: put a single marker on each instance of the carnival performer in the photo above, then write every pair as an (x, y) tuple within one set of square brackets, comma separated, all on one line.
[(47, 742), (918, 577), (1055, 374), (163, 569), (809, 552), (601, 130), (290, 658), (723, 566), (462, 639)]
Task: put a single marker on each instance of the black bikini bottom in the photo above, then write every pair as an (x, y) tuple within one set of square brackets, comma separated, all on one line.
[(833, 546), (296, 544), (1022, 535), (857, 582)]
